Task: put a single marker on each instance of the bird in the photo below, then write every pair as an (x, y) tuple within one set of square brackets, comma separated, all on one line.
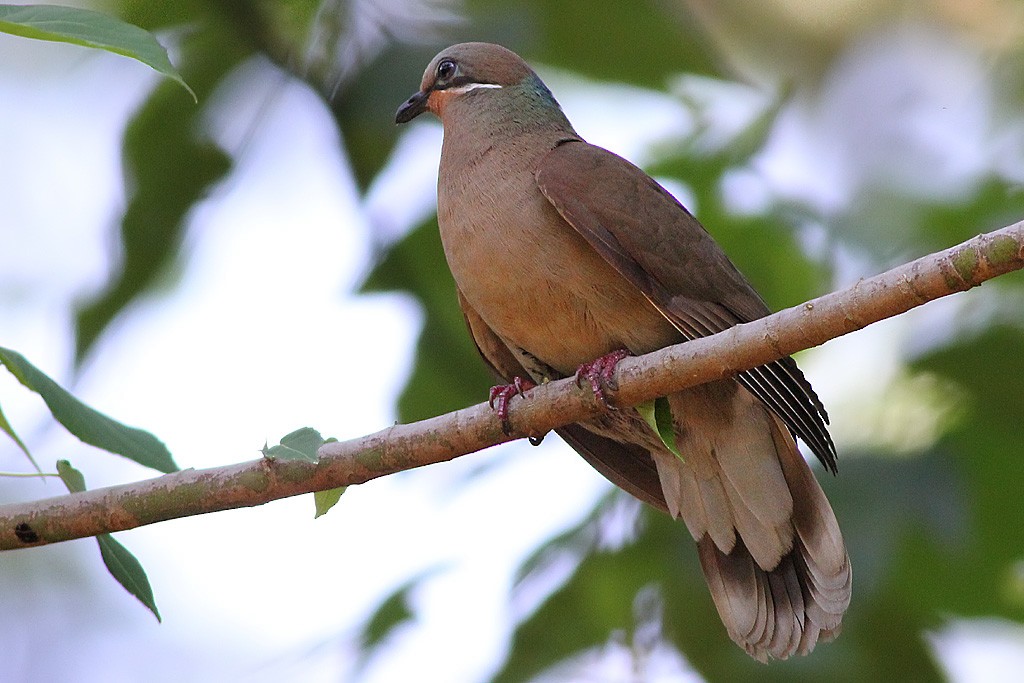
[(566, 258)]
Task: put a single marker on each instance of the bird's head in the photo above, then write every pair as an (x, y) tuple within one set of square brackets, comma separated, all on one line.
[(463, 71)]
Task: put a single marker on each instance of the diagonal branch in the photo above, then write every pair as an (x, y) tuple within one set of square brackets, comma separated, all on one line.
[(439, 439)]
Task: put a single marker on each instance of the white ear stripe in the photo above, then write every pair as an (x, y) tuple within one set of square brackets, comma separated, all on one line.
[(471, 86)]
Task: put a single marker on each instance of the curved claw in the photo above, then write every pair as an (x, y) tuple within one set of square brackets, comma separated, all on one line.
[(500, 395), (601, 375)]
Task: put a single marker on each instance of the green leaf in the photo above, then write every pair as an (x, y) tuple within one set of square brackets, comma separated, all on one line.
[(658, 414), (89, 29), (6, 426), (302, 444), (89, 425), (121, 564), (72, 478), (646, 410), (128, 571), (663, 424), (325, 500)]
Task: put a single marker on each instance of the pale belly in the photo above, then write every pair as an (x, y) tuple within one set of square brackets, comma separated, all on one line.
[(538, 284)]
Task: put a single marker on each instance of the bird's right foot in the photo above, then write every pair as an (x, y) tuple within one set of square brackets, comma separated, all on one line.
[(600, 373)]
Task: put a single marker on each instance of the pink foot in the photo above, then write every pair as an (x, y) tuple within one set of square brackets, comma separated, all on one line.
[(500, 396), (601, 374)]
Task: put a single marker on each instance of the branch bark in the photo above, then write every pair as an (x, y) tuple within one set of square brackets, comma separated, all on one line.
[(443, 438)]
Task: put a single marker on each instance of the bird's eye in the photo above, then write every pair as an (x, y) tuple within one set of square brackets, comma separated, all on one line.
[(445, 70)]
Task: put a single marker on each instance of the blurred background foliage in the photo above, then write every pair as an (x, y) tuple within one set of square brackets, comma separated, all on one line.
[(868, 132)]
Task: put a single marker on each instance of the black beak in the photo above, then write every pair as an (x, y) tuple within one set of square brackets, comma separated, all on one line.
[(412, 107)]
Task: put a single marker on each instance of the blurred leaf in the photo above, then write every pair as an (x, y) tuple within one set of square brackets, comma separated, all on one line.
[(89, 29), (544, 31), (572, 544), (881, 504), (995, 203), (598, 598), (766, 251), (156, 16), (325, 500), (302, 444), (990, 368), (364, 107), (392, 612), (121, 564), (169, 166), (291, 18), (5, 425), (894, 228), (901, 518), (449, 373), (89, 425), (587, 37)]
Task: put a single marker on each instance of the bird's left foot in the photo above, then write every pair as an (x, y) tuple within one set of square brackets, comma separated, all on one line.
[(601, 374), (500, 396)]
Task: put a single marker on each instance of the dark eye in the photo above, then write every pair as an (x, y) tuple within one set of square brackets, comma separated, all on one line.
[(445, 70)]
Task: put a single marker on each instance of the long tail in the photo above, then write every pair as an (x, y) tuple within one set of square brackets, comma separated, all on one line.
[(768, 541)]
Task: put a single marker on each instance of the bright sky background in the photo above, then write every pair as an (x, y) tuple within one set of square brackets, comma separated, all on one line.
[(259, 335)]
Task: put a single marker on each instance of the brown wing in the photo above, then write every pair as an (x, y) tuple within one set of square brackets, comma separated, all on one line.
[(627, 466), (656, 244)]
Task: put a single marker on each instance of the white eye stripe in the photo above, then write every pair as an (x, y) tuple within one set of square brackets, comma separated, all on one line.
[(471, 86)]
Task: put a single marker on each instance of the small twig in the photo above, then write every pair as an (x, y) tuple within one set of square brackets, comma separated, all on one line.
[(403, 447), (29, 475)]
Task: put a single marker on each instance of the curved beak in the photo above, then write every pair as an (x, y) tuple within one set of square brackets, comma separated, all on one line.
[(412, 107)]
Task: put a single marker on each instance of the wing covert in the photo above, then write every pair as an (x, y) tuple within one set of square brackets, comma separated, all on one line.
[(659, 247)]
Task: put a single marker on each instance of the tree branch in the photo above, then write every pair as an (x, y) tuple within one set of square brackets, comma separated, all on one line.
[(439, 439)]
